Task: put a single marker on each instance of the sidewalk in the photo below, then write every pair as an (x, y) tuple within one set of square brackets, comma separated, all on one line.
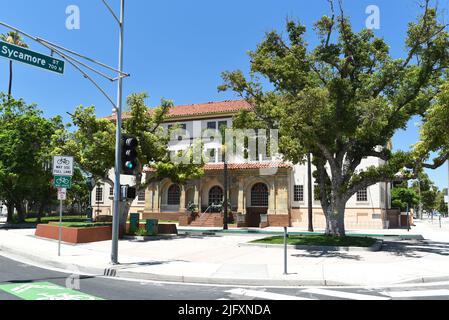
[(218, 259)]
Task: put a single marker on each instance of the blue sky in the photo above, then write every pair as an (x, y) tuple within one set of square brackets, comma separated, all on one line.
[(176, 49)]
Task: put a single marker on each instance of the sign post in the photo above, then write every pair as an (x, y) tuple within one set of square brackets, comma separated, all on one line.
[(285, 250), (63, 172)]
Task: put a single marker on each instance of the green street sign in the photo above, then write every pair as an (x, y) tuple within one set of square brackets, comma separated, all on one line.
[(44, 291), (26, 56), (63, 182)]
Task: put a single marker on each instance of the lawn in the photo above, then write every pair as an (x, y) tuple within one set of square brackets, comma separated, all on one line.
[(320, 240), (81, 225), (56, 219)]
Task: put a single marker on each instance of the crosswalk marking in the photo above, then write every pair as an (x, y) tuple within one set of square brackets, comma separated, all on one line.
[(263, 295), (417, 294), (344, 295)]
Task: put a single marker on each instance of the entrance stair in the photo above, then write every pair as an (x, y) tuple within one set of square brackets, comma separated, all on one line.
[(209, 220)]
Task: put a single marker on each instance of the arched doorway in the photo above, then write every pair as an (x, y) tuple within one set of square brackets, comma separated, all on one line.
[(174, 195), (260, 195), (216, 195)]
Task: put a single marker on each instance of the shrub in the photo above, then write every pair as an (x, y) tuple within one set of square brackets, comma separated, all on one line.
[(141, 232)]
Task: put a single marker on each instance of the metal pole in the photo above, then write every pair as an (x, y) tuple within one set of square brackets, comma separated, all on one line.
[(309, 192), (118, 160), (408, 218), (225, 205), (60, 228), (285, 250)]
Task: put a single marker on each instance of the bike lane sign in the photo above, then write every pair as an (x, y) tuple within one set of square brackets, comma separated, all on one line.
[(44, 291), (63, 166)]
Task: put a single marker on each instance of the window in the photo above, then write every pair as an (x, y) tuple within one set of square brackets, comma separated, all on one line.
[(174, 195), (141, 196), (111, 192), (259, 195), (362, 195), (212, 125), (299, 193), (211, 155), (222, 125), (216, 195), (99, 194)]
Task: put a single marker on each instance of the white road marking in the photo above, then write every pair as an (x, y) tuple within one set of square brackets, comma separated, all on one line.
[(263, 295), (412, 294), (344, 295)]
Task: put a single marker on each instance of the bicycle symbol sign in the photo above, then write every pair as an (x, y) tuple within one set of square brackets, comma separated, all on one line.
[(63, 182), (63, 166)]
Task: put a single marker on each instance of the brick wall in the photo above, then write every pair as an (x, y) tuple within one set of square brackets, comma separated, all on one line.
[(172, 216)]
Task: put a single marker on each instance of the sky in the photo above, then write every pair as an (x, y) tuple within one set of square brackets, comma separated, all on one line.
[(177, 49)]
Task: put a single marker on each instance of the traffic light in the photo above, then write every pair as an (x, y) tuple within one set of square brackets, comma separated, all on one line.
[(129, 155)]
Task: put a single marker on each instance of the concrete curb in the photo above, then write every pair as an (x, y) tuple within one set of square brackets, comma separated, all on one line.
[(375, 248)]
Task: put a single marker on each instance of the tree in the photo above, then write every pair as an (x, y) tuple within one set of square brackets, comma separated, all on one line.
[(93, 146), (441, 204), (14, 38), (404, 198), (427, 192), (343, 100), (25, 148), (79, 194)]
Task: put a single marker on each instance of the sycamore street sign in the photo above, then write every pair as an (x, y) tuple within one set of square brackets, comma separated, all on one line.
[(26, 56), (63, 182)]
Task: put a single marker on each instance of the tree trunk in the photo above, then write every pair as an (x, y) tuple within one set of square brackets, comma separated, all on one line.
[(20, 213), (10, 80), (335, 219), (10, 218), (40, 212)]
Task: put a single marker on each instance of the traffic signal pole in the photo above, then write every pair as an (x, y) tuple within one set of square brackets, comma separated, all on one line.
[(118, 146)]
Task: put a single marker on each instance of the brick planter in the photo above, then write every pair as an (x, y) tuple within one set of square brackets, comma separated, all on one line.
[(74, 235)]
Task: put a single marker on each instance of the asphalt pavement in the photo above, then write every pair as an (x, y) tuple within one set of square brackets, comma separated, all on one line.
[(20, 281)]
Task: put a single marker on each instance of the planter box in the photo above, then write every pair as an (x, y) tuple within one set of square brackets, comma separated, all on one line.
[(74, 235)]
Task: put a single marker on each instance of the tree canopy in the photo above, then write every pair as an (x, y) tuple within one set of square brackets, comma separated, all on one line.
[(343, 101)]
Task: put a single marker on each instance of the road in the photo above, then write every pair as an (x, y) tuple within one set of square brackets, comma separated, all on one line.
[(19, 281)]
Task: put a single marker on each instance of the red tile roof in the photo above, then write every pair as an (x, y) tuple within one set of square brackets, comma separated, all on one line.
[(202, 109), (209, 108), (243, 166)]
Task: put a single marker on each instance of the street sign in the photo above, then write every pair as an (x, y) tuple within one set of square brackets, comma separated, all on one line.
[(63, 166), (26, 56), (62, 182), (62, 194)]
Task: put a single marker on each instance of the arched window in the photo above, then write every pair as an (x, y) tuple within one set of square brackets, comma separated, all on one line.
[(216, 195), (259, 195), (174, 195)]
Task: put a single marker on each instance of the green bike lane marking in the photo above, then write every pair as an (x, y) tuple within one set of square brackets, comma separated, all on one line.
[(44, 291)]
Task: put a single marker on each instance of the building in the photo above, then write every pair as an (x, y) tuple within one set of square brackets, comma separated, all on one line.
[(263, 191)]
